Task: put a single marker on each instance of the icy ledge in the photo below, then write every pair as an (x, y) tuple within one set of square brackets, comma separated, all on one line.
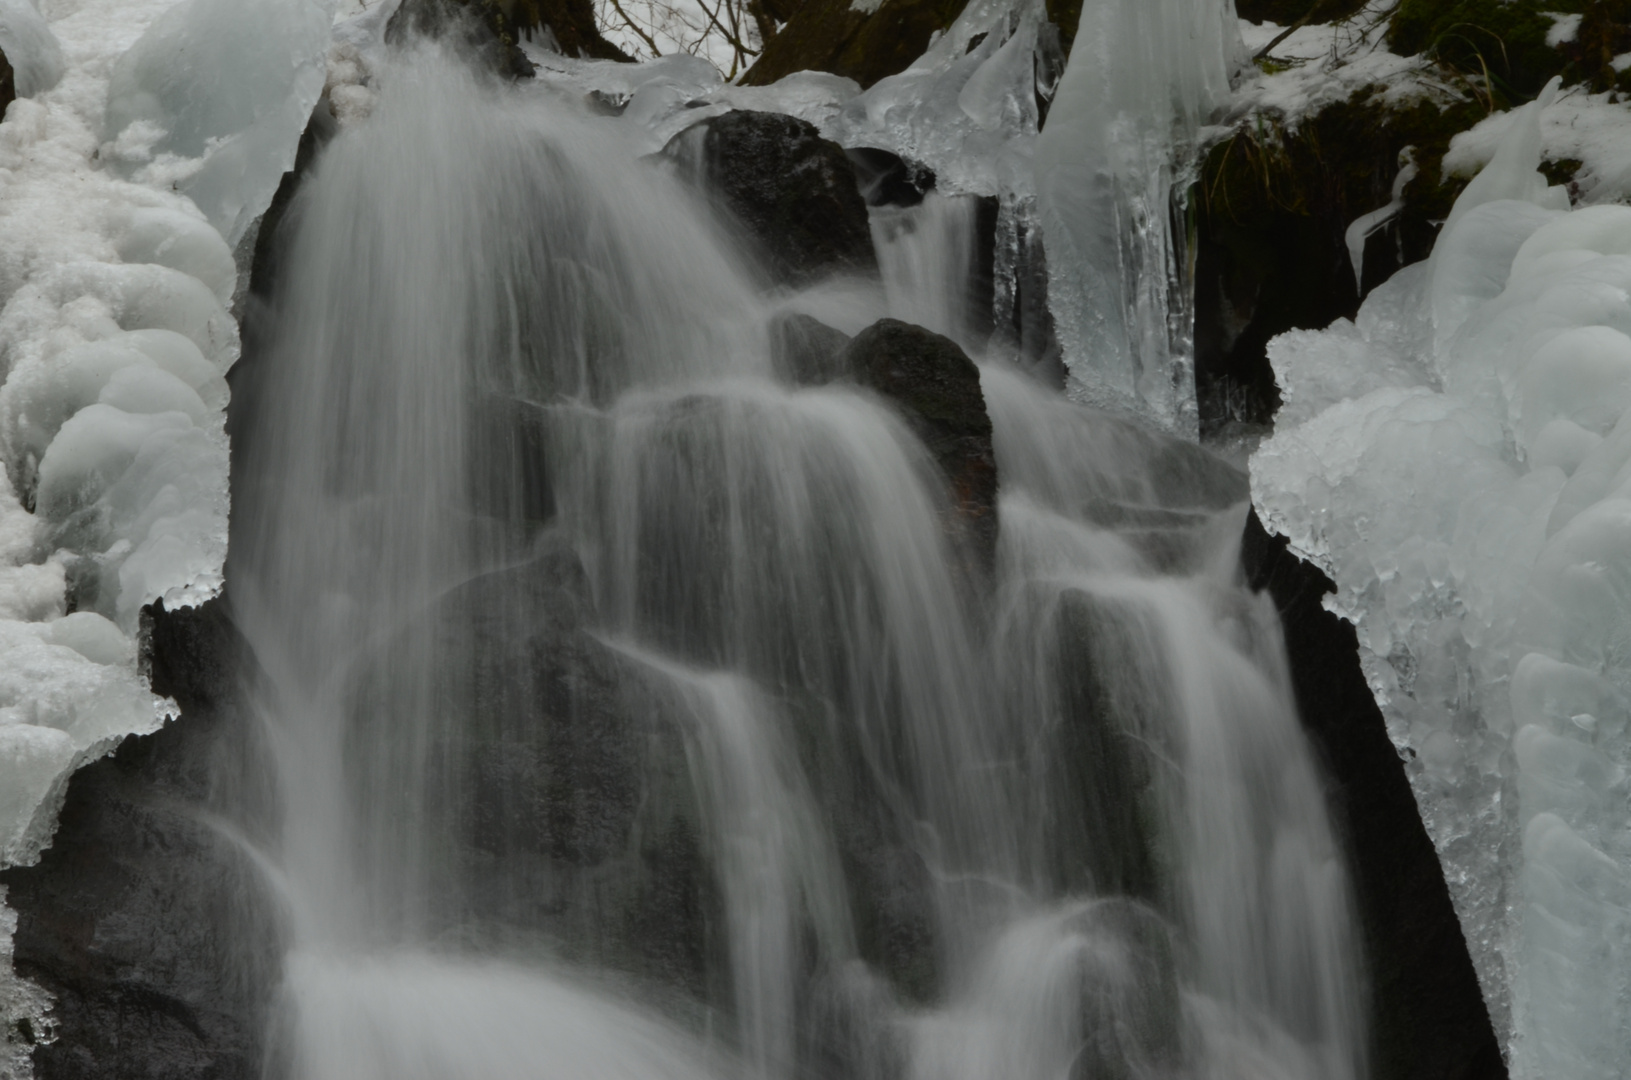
[(1458, 458), (114, 342)]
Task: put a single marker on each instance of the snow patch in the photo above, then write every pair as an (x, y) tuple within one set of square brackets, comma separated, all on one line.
[(1320, 65), (1565, 28), (1593, 129)]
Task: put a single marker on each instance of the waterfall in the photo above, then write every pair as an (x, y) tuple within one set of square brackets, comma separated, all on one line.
[(637, 713)]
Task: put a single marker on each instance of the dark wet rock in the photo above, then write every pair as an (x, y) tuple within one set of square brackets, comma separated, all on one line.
[(793, 191), (1273, 209), (152, 932), (482, 26), (8, 83), (562, 785), (806, 351), (570, 22), (1130, 1006), (1427, 1014), (268, 238), (833, 36), (895, 918), (886, 179), (938, 388), (493, 29), (1100, 838), (508, 460)]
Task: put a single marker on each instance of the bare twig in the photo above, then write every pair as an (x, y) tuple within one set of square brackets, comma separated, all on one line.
[(1288, 31)]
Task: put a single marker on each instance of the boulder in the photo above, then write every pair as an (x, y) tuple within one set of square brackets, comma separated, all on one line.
[(793, 192), (555, 796), (938, 389), (1428, 1019), (1131, 1009)]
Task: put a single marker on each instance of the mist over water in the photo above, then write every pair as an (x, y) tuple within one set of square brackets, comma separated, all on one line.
[(636, 714)]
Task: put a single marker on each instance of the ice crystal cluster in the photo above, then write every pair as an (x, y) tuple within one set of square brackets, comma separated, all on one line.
[(1458, 458)]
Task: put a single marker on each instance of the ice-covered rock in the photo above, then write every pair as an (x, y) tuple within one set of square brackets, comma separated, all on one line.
[(1456, 458), (213, 99)]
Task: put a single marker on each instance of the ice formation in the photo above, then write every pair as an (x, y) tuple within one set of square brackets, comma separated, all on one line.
[(114, 342), (1119, 147), (1366, 224), (212, 100), (1456, 459), (1574, 126)]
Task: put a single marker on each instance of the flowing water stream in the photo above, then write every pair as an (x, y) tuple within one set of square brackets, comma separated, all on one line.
[(635, 714)]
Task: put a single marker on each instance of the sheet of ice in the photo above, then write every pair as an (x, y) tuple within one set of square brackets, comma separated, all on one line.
[(967, 108), (30, 47), (213, 98), (1457, 460)]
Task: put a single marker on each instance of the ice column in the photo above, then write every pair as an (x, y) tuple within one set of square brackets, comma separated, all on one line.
[(1112, 164)]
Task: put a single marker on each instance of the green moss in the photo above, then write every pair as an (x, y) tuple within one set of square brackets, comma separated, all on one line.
[(1286, 12), (1500, 45), (830, 35), (1340, 161), (1273, 207)]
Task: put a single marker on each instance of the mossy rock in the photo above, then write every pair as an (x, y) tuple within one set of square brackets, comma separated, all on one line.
[(832, 36), (1501, 44), (1273, 206), (1286, 12), (493, 29)]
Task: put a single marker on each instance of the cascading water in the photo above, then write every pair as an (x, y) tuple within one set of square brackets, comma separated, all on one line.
[(636, 713)]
